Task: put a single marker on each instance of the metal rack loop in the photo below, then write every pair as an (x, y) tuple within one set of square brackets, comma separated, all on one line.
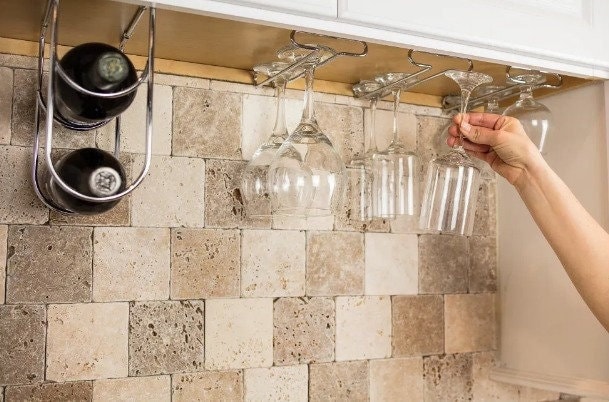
[(319, 55), (50, 21), (412, 79)]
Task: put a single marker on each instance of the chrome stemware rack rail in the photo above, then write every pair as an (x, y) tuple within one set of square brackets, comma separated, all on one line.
[(305, 54)]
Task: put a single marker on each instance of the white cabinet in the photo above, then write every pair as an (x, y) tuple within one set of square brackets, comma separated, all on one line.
[(541, 33)]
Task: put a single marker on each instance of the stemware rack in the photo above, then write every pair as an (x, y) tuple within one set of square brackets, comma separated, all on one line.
[(311, 53)]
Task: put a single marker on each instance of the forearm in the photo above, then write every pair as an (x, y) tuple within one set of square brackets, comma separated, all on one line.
[(579, 241)]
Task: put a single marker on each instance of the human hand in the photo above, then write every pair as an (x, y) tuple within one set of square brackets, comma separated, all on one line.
[(498, 140)]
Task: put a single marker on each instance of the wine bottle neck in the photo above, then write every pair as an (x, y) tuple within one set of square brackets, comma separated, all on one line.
[(109, 70), (104, 181)]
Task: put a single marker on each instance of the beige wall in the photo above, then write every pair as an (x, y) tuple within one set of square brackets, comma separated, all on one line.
[(176, 293), (545, 326)]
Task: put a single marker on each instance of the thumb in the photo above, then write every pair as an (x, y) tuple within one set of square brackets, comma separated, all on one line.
[(478, 134)]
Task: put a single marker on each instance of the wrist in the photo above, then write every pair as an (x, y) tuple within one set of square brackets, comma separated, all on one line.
[(534, 168)]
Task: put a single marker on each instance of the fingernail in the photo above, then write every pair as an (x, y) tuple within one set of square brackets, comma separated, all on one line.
[(465, 127)]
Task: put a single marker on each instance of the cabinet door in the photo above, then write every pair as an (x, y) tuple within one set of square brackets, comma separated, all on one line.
[(572, 31)]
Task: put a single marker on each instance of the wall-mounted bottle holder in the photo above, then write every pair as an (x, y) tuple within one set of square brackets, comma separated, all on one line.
[(56, 189)]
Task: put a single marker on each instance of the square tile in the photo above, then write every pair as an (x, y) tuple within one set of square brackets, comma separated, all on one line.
[(131, 264), (206, 124), (18, 61), (6, 102), (133, 389), (470, 322), (172, 195), (238, 333), (392, 266), (345, 381), (363, 327), (418, 325), (303, 330), (443, 264), (18, 203), (344, 126), (223, 201), (448, 377), (485, 389), (485, 221), (289, 383), (227, 86), (431, 139), (22, 338), (49, 264), (272, 263), (226, 386), (166, 337), (383, 128), (73, 328), (205, 263), (181, 81), (298, 223), (482, 275), (335, 263), (396, 379), (3, 247), (70, 391), (133, 124)]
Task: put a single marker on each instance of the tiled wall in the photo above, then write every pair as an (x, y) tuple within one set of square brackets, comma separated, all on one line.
[(175, 295)]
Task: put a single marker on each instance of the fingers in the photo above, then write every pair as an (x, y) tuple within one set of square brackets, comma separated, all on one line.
[(476, 134), (468, 145), (487, 120)]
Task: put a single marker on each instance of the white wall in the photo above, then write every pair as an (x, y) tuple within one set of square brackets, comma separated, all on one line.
[(545, 326)]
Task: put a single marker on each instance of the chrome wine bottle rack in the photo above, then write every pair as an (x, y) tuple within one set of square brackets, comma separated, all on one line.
[(308, 53), (45, 105)]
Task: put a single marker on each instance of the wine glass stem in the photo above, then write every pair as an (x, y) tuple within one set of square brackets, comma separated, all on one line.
[(280, 128), (396, 105), (308, 113), (464, 101), (371, 129)]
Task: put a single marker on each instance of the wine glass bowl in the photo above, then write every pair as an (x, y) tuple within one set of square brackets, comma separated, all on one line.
[(391, 77)]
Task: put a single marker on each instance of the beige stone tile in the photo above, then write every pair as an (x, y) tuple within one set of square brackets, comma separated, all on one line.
[(482, 273), (288, 383), (470, 322), (272, 263), (18, 203), (133, 389), (3, 248), (344, 126), (208, 386), (418, 325), (443, 264), (223, 202), (166, 337), (18, 61), (70, 391), (25, 84), (448, 377), (172, 195), (396, 379), (6, 102), (363, 327), (536, 395), (49, 264), (259, 115), (133, 124), (383, 128), (73, 328), (22, 338), (298, 223), (205, 263), (303, 330), (131, 264), (335, 263), (181, 81), (485, 222), (391, 264), (225, 86), (485, 389), (206, 124), (422, 110), (431, 139), (344, 381), (238, 333)]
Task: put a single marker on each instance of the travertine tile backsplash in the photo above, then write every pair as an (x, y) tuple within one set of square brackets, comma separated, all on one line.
[(177, 295)]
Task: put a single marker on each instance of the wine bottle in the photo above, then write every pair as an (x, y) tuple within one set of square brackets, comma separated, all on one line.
[(90, 171), (97, 67)]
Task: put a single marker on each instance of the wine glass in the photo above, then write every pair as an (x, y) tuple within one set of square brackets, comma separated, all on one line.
[(307, 176), (254, 185), (492, 103), (534, 116), (449, 202), (394, 178)]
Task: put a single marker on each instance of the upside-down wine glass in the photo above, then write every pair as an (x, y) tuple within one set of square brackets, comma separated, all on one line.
[(394, 180), (451, 191), (307, 176), (534, 116), (254, 184)]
